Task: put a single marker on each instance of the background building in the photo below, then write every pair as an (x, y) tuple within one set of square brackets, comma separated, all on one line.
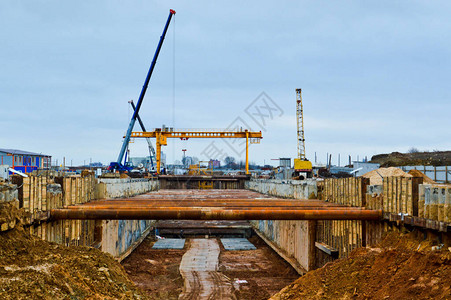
[(364, 167), (214, 164), (24, 161)]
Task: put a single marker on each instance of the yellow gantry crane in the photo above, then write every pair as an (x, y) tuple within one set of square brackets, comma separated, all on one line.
[(162, 135), (302, 166)]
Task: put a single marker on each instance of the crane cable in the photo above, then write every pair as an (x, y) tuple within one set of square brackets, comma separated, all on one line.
[(173, 75), (173, 82)]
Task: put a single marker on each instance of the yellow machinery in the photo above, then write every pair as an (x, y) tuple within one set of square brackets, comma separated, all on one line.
[(202, 171), (162, 136), (199, 170), (302, 166)]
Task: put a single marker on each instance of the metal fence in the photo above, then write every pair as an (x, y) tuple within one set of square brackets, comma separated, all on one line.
[(440, 174)]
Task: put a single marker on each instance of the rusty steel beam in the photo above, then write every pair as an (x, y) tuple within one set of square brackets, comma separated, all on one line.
[(241, 202), (249, 200), (204, 203), (200, 204), (213, 214), (185, 208)]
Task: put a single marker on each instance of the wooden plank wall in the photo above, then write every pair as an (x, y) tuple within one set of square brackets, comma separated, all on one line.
[(36, 198), (343, 236), (67, 232), (347, 191), (39, 194), (400, 195)]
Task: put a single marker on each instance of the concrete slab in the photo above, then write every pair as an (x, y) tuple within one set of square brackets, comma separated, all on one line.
[(237, 244), (169, 244)]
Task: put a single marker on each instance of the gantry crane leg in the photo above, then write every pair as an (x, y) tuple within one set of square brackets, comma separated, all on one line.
[(247, 152), (161, 141)]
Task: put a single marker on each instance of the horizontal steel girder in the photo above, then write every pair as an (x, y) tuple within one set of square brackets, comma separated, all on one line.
[(213, 214), (212, 205)]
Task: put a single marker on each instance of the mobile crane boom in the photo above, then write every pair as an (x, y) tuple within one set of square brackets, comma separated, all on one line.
[(118, 164), (149, 142)]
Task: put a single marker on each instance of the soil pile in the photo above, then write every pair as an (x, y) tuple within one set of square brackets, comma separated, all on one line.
[(393, 270), (10, 215), (34, 269), (396, 159), (416, 173), (376, 176)]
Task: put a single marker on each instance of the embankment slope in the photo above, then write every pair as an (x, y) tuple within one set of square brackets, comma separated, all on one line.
[(401, 267)]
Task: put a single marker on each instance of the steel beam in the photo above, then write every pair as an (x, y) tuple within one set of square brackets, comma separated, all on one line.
[(213, 214)]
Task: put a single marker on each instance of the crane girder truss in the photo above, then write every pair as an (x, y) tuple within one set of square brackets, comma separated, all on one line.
[(197, 134), (161, 136)]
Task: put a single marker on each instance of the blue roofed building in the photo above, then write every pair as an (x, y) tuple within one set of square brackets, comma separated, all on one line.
[(24, 161)]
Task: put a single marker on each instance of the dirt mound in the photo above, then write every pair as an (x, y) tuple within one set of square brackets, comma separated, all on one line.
[(10, 215), (393, 270), (396, 159), (376, 176), (416, 173), (32, 268)]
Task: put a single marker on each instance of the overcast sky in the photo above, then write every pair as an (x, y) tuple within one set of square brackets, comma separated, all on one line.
[(375, 77)]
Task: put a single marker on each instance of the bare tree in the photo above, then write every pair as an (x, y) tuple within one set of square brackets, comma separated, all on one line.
[(413, 150), (229, 160)]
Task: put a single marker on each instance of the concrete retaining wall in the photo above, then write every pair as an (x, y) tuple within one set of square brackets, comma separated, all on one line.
[(293, 240), (115, 188), (296, 189), (120, 237)]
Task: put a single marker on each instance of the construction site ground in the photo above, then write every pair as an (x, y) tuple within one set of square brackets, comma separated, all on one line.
[(403, 266), (246, 274)]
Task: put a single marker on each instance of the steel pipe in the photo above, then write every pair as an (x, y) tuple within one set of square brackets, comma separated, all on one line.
[(152, 202), (197, 206), (214, 214)]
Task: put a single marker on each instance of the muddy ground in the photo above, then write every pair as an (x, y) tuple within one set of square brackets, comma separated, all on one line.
[(263, 269), (156, 271), (401, 267)]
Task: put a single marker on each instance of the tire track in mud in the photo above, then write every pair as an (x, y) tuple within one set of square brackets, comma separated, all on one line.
[(199, 270)]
